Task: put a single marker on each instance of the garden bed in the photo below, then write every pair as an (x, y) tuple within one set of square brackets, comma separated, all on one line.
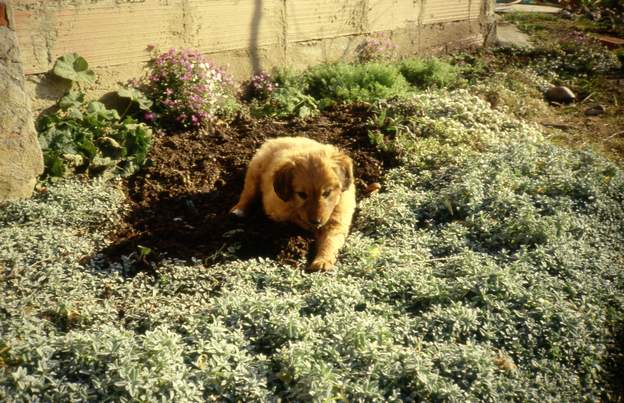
[(181, 198)]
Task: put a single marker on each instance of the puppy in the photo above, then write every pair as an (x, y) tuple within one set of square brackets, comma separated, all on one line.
[(307, 183)]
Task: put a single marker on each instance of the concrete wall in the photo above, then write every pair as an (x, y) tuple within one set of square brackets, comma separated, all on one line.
[(243, 35)]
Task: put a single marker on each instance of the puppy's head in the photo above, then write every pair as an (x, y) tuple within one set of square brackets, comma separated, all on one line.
[(313, 184)]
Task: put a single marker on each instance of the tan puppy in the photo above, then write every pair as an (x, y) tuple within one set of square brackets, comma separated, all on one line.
[(307, 183)]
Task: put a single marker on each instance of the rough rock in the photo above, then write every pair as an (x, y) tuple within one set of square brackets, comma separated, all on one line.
[(595, 110), (513, 7), (372, 188), (560, 94), (21, 160), (508, 35)]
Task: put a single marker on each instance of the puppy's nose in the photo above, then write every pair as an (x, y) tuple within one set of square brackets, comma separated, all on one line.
[(315, 221)]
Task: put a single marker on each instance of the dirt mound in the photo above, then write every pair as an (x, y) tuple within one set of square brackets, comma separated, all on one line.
[(180, 199)]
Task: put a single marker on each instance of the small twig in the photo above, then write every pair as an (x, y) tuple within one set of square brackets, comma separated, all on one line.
[(126, 110), (587, 98), (562, 126), (615, 135)]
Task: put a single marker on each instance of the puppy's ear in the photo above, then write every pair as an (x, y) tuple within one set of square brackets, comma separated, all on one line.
[(282, 181), (344, 170)]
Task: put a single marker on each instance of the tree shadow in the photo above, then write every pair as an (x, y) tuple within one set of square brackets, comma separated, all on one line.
[(253, 38)]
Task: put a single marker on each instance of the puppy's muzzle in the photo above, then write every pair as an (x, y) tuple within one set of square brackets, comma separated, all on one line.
[(315, 222)]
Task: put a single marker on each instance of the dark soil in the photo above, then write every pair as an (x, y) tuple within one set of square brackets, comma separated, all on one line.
[(181, 198)]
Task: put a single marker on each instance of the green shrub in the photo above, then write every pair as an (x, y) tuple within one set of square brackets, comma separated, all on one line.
[(92, 139), (430, 72), (565, 58), (288, 97), (260, 86), (288, 77), (87, 137), (341, 83), (516, 91), (286, 102), (470, 67), (448, 131), (303, 94)]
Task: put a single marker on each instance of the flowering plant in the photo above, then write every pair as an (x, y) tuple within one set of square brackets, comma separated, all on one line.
[(187, 90), (261, 86), (377, 47)]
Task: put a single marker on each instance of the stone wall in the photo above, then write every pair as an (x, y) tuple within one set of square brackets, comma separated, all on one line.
[(20, 155)]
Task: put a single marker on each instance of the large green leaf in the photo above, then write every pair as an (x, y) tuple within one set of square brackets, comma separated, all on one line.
[(138, 139), (72, 99), (98, 111), (84, 144), (74, 67), (136, 96), (57, 139), (74, 115), (54, 164)]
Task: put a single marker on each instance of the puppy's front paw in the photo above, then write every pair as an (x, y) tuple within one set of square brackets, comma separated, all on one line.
[(320, 264), (238, 212)]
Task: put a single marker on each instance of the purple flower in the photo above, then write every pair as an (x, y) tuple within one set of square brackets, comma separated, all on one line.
[(186, 87), (149, 116)]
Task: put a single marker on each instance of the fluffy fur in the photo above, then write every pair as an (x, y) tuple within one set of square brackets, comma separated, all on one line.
[(307, 183)]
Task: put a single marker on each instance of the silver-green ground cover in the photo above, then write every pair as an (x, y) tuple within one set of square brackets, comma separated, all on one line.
[(490, 269)]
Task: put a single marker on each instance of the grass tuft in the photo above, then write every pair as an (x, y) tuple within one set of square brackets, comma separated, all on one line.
[(427, 73)]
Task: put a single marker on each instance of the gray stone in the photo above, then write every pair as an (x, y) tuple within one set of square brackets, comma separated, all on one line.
[(508, 35), (21, 161), (560, 94), (595, 110), (513, 7)]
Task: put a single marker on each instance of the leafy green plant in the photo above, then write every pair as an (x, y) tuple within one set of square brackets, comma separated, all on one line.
[(285, 102), (570, 57), (341, 83), (470, 67), (260, 86), (74, 68), (87, 137), (430, 72), (91, 138), (135, 97), (610, 13), (517, 90), (531, 22)]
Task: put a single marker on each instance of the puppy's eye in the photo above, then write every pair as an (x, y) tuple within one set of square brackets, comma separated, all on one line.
[(303, 195), (326, 193)]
